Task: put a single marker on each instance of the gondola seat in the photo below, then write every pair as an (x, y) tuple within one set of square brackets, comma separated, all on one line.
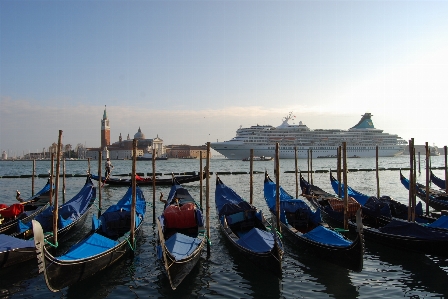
[(115, 224)]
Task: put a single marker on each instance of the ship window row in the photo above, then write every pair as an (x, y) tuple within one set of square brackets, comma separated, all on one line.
[(334, 148)]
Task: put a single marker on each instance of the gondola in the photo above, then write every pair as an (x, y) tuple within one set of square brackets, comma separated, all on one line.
[(27, 210), (305, 227), (438, 202), (382, 209), (437, 181), (181, 234), (108, 241), (247, 230), (141, 181), (71, 217), (398, 233)]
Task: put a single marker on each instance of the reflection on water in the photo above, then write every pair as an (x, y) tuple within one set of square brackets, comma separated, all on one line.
[(387, 272), (414, 271)]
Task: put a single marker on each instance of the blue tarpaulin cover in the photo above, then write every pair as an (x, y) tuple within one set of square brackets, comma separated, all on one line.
[(181, 246), (415, 230), (257, 240), (96, 243), (326, 236), (288, 203), (91, 246), (45, 189), (225, 195), (438, 181), (8, 243), (360, 197), (68, 212), (442, 222), (124, 205)]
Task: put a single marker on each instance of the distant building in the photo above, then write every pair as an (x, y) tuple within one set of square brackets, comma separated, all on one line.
[(185, 151), (105, 130), (4, 155), (122, 149)]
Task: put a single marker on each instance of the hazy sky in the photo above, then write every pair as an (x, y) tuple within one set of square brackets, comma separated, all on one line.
[(194, 71)]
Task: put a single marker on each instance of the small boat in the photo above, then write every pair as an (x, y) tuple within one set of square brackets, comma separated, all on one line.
[(305, 227), (24, 211), (247, 230), (147, 155), (142, 181), (108, 241), (436, 200), (181, 234), (261, 158), (428, 238), (438, 181), (71, 217)]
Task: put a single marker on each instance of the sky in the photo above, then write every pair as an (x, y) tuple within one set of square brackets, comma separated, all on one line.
[(192, 72)]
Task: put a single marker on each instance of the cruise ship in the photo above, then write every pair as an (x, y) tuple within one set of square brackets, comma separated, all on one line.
[(361, 140)]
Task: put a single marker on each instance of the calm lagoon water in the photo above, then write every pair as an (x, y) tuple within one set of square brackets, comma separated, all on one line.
[(387, 272)]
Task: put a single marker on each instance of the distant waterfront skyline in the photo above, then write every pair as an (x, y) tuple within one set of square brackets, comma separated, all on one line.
[(194, 71)]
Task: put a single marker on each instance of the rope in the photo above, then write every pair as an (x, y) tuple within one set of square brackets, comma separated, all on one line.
[(197, 204), (94, 203), (339, 230), (129, 242), (48, 242)]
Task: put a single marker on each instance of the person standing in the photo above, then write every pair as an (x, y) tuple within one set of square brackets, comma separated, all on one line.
[(109, 166)]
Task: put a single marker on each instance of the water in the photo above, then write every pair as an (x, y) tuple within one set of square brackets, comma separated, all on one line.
[(387, 272)]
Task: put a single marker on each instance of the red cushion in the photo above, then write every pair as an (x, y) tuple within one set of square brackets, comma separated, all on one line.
[(12, 211), (183, 217)]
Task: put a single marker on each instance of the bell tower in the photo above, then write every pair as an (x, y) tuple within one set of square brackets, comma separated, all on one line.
[(105, 130)]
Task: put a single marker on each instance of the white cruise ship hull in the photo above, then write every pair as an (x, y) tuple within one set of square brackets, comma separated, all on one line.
[(239, 151)]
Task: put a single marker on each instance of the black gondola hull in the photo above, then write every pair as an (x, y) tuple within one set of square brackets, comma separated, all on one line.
[(350, 257), (16, 256), (11, 227), (426, 246), (148, 182), (62, 273), (178, 270), (270, 261)]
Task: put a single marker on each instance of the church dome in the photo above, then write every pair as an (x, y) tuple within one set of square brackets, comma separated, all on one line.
[(139, 134)]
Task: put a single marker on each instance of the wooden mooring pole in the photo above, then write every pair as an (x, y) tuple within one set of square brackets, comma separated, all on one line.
[(251, 177), (339, 169), (55, 207), (296, 168), (207, 197), (446, 169), (427, 178), (153, 185), (277, 186), (377, 175), (32, 177), (344, 149), (63, 180), (134, 194), (201, 175), (100, 182), (51, 179)]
